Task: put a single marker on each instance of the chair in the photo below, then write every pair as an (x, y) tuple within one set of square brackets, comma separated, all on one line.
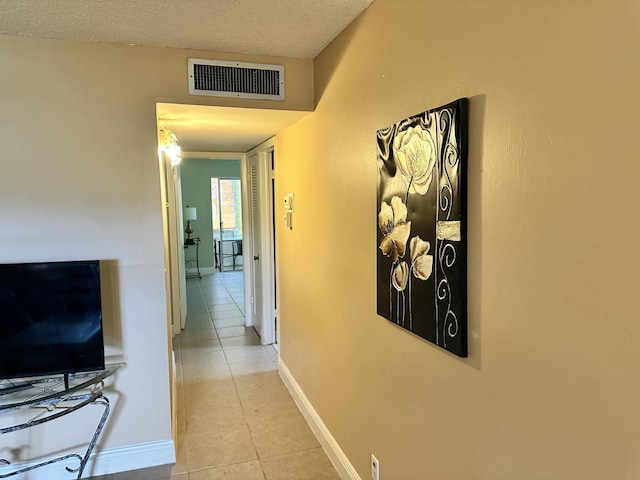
[(237, 251)]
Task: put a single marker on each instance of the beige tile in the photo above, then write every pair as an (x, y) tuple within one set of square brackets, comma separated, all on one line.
[(218, 299), (222, 388), (201, 327), (215, 416), (222, 420), (224, 307), (237, 320), (197, 338), (246, 360), (181, 419), (182, 461), (154, 473), (209, 355), (306, 465), (275, 408), (198, 372), (220, 447), (235, 331), (239, 471), (285, 436), (217, 314), (273, 353), (200, 341), (198, 314), (250, 367), (262, 384), (246, 352), (197, 308), (217, 400), (243, 341)]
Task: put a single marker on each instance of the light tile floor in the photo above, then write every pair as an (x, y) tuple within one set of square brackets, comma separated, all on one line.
[(236, 419)]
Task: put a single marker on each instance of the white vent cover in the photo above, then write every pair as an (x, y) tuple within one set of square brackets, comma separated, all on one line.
[(235, 79)]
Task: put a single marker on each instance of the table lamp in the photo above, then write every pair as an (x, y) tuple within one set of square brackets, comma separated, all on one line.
[(189, 214)]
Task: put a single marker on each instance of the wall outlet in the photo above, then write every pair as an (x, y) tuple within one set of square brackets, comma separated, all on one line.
[(375, 468)]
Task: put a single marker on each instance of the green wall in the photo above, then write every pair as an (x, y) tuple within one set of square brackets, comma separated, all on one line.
[(196, 175)]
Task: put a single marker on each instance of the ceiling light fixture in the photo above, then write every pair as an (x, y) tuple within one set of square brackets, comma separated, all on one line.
[(168, 143)]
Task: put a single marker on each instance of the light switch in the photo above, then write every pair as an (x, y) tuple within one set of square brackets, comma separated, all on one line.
[(288, 211), (288, 202)]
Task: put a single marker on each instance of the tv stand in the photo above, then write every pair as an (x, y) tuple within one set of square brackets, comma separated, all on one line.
[(54, 397), (13, 388)]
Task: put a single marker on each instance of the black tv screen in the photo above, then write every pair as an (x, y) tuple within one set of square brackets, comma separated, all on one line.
[(50, 318)]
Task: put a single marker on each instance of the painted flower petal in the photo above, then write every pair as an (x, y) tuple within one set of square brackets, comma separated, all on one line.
[(422, 267), (414, 151), (421, 185), (400, 235), (418, 247), (400, 276), (394, 227), (399, 210), (388, 247), (385, 218)]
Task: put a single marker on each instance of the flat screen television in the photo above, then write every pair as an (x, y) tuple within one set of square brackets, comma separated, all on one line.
[(50, 318)]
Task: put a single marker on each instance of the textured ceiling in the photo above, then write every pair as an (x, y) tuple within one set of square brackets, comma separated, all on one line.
[(289, 28)]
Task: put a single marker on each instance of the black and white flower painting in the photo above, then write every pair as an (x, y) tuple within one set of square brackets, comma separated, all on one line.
[(422, 258)]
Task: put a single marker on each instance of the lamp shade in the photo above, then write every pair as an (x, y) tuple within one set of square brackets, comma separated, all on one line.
[(190, 213)]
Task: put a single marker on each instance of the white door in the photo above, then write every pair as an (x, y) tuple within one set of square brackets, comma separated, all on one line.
[(260, 161), (256, 287)]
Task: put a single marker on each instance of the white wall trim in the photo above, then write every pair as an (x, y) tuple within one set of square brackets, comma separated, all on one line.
[(113, 460), (322, 433)]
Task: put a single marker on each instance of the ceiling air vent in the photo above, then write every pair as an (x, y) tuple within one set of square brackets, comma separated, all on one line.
[(234, 79)]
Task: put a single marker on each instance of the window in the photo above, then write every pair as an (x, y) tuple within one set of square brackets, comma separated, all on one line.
[(226, 206)]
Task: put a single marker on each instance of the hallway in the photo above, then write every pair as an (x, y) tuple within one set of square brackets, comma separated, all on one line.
[(236, 419)]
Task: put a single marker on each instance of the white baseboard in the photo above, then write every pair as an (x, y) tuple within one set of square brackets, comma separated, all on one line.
[(133, 457), (322, 433), (113, 460)]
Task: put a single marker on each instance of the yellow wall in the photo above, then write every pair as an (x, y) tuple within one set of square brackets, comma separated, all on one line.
[(550, 389), (79, 179)]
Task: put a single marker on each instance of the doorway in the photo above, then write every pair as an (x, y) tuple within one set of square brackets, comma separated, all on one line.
[(226, 218), (250, 125), (203, 131), (255, 228)]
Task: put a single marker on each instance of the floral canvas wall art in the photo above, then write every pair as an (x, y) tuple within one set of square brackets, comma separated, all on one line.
[(422, 255)]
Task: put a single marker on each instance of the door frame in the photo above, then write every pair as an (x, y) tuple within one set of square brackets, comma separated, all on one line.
[(266, 224), (246, 220), (175, 283)]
